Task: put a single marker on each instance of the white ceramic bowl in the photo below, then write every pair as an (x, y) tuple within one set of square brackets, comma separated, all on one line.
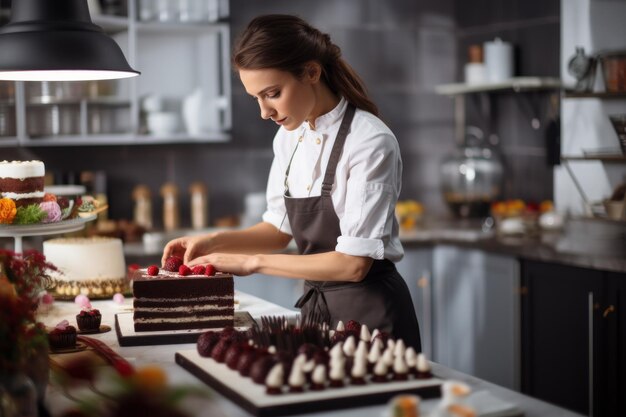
[(163, 123)]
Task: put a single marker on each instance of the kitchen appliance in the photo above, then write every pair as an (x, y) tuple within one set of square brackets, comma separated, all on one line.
[(583, 68), (471, 176)]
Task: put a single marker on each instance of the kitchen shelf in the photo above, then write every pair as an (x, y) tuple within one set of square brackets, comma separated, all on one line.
[(125, 139), (603, 158), (600, 95), (515, 84), (177, 60)]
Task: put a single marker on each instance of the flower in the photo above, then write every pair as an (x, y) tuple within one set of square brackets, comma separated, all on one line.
[(22, 279), (52, 210), (8, 210)]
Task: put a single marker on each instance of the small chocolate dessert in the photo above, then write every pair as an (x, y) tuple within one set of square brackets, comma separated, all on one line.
[(89, 320), (274, 380), (206, 343), (318, 380), (63, 336), (261, 367)]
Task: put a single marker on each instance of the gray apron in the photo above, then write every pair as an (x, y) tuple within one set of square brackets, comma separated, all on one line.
[(382, 300)]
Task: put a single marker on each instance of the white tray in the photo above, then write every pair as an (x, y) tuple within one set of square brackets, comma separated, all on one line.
[(127, 336), (252, 397)]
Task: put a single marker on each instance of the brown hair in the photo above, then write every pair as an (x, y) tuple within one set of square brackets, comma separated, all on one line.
[(287, 43)]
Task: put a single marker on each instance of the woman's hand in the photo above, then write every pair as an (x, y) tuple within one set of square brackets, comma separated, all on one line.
[(236, 264), (187, 248)]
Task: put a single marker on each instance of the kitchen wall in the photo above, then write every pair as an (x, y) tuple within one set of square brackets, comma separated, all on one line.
[(533, 29), (402, 49)]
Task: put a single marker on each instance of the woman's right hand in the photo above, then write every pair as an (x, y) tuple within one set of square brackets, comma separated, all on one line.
[(187, 247)]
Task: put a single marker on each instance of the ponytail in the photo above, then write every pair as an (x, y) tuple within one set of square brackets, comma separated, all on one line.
[(288, 43)]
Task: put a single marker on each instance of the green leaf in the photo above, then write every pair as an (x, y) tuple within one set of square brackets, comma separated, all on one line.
[(29, 215)]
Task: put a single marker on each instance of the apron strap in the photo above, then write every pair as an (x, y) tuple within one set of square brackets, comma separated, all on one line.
[(318, 307), (335, 154)]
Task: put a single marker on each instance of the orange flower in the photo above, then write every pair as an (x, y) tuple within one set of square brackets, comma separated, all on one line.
[(7, 210)]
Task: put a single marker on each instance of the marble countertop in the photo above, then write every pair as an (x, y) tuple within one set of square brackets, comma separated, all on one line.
[(217, 405), (584, 243)]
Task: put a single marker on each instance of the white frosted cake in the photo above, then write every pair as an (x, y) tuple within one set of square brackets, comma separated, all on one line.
[(22, 181), (92, 266)]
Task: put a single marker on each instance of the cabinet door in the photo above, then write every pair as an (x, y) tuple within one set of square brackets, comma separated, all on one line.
[(416, 269), (561, 334), (477, 312), (614, 315)]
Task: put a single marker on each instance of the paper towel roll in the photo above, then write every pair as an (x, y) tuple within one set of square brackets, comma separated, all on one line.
[(498, 60)]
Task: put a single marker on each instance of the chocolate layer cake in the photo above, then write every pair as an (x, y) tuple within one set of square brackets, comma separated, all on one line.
[(22, 181), (169, 301)]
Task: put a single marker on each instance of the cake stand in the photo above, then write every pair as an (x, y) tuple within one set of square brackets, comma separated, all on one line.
[(17, 232)]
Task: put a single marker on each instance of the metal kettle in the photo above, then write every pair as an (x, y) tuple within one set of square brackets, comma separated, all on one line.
[(471, 176)]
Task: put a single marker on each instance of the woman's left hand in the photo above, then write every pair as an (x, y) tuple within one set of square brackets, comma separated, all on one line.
[(236, 264)]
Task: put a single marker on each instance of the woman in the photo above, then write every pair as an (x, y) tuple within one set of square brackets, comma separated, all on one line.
[(333, 184)]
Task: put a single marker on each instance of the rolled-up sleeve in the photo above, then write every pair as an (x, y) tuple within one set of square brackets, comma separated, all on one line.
[(372, 191)]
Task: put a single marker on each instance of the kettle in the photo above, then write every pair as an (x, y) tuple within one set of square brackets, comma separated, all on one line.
[(471, 176)]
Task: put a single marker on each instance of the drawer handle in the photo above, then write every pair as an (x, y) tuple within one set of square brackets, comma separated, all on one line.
[(610, 309)]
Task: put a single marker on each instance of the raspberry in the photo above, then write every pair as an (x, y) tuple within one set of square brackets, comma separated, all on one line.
[(210, 270), (173, 263), (133, 267), (197, 270), (184, 270), (353, 326), (153, 270)]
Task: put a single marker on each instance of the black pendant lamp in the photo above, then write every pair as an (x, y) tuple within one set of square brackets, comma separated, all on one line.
[(55, 40)]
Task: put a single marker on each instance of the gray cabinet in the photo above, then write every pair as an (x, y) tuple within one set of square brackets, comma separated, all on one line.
[(416, 269), (476, 319)]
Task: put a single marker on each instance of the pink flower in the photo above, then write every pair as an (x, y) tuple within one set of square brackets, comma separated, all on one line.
[(53, 211), (82, 300), (62, 325), (118, 298)]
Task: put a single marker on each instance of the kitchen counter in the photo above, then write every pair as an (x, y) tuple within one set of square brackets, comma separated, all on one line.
[(593, 244), (218, 405), (583, 243)]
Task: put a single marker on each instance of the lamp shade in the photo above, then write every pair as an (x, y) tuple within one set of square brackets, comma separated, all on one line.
[(55, 40)]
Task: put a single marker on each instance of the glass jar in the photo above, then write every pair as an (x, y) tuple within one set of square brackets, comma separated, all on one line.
[(471, 177)]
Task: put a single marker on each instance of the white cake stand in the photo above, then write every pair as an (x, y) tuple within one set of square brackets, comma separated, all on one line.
[(17, 232)]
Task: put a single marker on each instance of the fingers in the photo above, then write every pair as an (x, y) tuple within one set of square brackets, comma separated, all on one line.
[(174, 247)]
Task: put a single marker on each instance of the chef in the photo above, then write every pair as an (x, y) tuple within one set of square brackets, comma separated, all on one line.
[(333, 184)]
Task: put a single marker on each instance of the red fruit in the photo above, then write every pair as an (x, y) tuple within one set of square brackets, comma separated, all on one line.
[(133, 267), (210, 270), (197, 270), (184, 270), (353, 326), (173, 263), (153, 270), (49, 197)]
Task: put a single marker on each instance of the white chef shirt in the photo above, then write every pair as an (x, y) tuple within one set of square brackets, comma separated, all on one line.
[(366, 184)]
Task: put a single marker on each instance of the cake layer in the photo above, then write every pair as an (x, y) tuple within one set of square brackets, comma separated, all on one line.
[(169, 301), (23, 202), (86, 259), (217, 322), (22, 186), (22, 169), (197, 313), (188, 287), (226, 300)]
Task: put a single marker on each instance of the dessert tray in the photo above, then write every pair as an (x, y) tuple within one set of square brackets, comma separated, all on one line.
[(253, 397), (126, 335)]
